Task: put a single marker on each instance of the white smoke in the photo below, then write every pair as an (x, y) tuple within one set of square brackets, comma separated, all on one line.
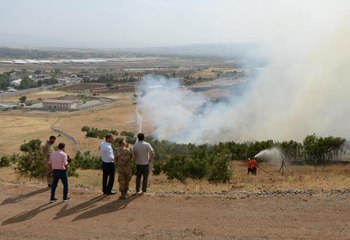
[(303, 90)]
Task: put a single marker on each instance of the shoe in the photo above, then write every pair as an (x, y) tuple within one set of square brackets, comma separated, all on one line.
[(53, 200), (123, 197), (67, 199), (111, 193)]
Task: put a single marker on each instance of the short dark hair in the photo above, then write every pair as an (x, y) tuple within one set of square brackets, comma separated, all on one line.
[(52, 138), (141, 136), (121, 141), (61, 146), (109, 135)]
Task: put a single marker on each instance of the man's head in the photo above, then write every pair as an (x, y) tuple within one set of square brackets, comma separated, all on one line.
[(61, 146), (109, 137), (141, 136), (52, 139), (122, 143)]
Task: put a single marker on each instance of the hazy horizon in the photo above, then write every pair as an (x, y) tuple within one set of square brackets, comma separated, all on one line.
[(160, 23)]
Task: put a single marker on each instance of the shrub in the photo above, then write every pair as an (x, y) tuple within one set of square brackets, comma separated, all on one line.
[(220, 169), (175, 168), (86, 161), (85, 129), (5, 161), (158, 167), (128, 134), (32, 162), (196, 168)]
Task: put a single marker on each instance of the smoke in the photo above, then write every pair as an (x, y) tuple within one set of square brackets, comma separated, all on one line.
[(303, 89)]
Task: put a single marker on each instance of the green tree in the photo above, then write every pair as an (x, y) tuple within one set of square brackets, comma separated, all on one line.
[(32, 162), (23, 99)]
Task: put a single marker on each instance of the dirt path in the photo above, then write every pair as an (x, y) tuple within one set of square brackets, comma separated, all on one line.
[(26, 214), (65, 134)]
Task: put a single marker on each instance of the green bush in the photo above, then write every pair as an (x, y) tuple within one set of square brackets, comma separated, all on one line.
[(97, 133), (220, 169), (196, 168), (85, 129), (32, 162), (158, 166), (126, 133), (5, 161), (86, 161), (175, 168)]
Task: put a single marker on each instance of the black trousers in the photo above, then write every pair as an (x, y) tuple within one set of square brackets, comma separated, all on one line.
[(142, 171), (108, 177)]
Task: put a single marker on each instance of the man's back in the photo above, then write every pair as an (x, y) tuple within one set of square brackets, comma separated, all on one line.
[(106, 152), (58, 160), (143, 152)]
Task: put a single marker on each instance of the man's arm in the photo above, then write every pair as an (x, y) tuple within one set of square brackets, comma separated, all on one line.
[(49, 164), (65, 160), (151, 153), (110, 153)]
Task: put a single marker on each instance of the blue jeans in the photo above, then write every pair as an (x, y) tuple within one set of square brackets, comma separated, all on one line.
[(59, 175)]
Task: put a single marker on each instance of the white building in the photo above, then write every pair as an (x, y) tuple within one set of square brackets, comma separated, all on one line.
[(58, 104), (16, 82)]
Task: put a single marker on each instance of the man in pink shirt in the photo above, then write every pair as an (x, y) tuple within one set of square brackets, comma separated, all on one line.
[(58, 162)]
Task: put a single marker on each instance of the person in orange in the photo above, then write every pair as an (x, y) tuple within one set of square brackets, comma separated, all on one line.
[(252, 166)]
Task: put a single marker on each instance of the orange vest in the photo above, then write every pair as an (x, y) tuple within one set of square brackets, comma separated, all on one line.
[(249, 163), (253, 163)]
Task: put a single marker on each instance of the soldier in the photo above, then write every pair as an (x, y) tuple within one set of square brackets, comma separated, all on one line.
[(47, 150), (124, 159)]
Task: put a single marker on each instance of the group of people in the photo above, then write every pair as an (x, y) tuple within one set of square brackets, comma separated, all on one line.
[(123, 157)]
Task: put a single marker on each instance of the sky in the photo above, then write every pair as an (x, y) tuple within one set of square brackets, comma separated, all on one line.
[(156, 23)]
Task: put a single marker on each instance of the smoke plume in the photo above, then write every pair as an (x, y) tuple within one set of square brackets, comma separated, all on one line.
[(304, 89)]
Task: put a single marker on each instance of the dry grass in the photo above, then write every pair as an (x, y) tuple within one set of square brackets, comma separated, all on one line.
[(35, 95), (18, 126), (303, 178)]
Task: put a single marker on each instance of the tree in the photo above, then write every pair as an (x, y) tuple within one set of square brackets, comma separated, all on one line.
[(27, 83), (23, 99), (32, 162)]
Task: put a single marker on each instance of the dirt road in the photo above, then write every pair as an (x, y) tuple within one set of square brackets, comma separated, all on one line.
[(26, 214)]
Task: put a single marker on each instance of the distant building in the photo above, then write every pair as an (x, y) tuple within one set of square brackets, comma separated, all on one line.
[(16, 82), (58, 104)]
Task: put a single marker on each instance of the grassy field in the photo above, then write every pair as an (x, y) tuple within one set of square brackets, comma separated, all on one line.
[(332, 177), (19, 126)]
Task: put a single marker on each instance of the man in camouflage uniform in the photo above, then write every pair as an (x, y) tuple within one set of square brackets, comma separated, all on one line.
[(124, 159), (48, 149)]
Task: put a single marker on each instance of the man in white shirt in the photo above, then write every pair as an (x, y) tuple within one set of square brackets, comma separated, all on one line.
[(144, 155), (108, 166)]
